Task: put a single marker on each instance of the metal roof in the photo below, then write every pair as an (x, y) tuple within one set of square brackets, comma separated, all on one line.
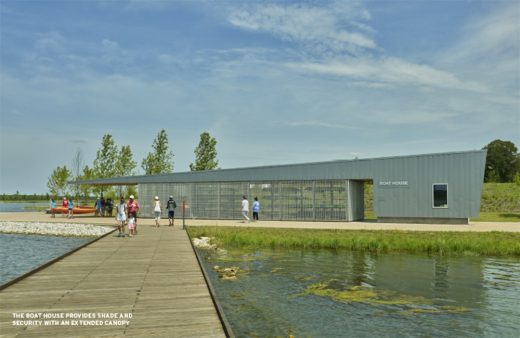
[(337, 169)]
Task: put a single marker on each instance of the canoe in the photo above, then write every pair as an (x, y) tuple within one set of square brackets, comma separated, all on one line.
[(75, 210)]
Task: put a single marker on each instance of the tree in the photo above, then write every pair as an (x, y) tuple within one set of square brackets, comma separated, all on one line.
[(125, 163), (88, 174), (205, 154), (160, 161), (57, 182), (106, 158), (502, 161)]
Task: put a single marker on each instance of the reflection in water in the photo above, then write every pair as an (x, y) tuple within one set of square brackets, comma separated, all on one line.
[(347, 294), (440, 280)]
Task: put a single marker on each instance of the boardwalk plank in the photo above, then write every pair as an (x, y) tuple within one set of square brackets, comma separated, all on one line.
[(154, 276)]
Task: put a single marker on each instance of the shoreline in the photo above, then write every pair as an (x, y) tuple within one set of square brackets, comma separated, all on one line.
[(336, 225), (492, 244), (53, 229)]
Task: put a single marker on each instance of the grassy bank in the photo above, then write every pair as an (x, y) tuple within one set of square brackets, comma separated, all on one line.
[(444, 243)]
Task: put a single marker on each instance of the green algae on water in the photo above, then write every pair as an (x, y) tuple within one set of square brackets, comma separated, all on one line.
[(378, 297)]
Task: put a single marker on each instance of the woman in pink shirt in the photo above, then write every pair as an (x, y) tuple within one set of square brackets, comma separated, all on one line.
[(133, 208)]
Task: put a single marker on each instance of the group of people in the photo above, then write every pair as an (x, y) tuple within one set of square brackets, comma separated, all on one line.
[(170, 206), (104, 208), (66, 204), (127, 214), (245, 209)]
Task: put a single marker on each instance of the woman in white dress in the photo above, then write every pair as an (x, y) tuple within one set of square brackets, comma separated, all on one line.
[(121, 217)]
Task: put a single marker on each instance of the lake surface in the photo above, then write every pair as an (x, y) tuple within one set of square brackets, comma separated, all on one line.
[(345, 294), (21, 206), (22, 253)]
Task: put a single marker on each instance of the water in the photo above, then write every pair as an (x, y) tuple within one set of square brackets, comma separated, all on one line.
[(345, 294), (21, 206), (22, 253)]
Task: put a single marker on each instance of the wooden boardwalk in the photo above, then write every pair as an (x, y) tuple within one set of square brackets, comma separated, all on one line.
[(153, 276)]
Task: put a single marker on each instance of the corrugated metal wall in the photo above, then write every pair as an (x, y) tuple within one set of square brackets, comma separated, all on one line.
[(311, 191)]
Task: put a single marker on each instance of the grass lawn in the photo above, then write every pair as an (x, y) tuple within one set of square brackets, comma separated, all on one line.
[(497, 217), (439, 243)]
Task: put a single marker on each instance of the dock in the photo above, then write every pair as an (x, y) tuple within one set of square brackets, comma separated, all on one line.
[(151, 282)]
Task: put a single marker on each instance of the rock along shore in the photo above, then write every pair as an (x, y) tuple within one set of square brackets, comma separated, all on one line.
[(55, 229)]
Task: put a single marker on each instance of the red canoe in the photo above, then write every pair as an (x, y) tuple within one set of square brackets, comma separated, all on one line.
[(75, 210)]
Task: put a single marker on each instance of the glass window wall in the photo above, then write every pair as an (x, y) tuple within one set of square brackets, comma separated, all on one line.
[(279, 200)]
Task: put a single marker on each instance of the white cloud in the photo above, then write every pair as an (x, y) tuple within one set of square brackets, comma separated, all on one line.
[(389, 71), (318, 29), (497, 34)]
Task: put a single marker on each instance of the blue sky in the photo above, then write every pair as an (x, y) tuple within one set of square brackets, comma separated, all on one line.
[(274, 81)]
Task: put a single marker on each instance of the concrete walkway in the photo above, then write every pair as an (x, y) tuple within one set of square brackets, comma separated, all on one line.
[(368, 225), (153, 276)]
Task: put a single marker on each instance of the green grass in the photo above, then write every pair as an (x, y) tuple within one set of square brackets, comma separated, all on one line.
[(443, 243), (500, 197), (497, 217)]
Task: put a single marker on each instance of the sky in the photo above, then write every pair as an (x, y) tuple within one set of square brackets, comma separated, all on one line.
[(275, 82)]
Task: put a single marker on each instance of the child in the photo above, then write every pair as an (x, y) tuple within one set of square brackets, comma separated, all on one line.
[(131, 226)]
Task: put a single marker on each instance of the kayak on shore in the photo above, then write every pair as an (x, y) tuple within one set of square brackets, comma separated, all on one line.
[(76, 210)]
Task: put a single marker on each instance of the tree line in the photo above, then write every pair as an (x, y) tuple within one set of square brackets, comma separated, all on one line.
[(114, 161), (502, 164)]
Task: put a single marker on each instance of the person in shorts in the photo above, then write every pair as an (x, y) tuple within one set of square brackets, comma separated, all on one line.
[(170, 206), (70, 206), (133, 207), (131, 226), (256, 209), (157, 211)]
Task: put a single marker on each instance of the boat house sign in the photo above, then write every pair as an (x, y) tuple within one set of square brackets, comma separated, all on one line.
[(393, 184)]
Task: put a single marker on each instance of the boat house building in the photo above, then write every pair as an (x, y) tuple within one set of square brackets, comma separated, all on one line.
[(429, 188)]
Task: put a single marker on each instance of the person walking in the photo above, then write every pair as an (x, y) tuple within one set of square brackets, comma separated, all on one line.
[(132, 207), (103, 205), (109, 207), (98, 206), (121, 217), (53, 208), (64, 206), (170, 206), (157, 211), (132, 226), (245, 209), (256, 209), (70, 206)]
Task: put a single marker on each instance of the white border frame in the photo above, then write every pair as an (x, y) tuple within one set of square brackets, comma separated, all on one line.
[(433, 197)]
